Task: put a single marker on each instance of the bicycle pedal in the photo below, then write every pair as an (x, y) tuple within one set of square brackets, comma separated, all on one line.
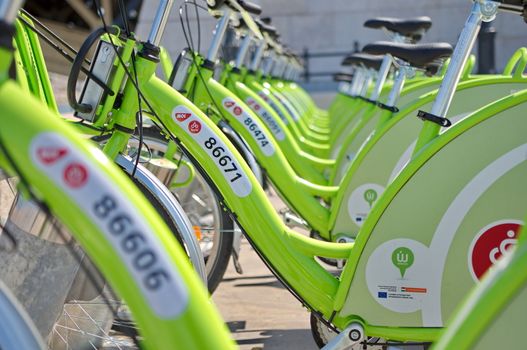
[(292, 220)]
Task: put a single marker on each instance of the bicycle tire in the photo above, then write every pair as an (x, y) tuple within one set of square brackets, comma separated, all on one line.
[(16, 329), (65, 328)]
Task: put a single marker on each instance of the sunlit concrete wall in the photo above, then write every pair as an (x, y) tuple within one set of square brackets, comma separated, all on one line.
[(334, 25)]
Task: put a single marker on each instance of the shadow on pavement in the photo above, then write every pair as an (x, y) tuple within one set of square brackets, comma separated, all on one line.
[(275, 339)]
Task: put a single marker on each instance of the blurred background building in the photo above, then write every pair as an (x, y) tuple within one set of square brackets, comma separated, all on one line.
[(323, 31), (326, 30)]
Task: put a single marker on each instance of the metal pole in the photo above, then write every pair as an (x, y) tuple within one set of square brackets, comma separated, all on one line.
[(160, 22), (305, 56), (258, 56), (457, 61), (487, 49), (242, 50), (219, 33), (9, 9)]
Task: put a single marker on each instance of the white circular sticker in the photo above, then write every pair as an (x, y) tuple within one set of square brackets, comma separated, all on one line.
[(397, 275), (362, 200)]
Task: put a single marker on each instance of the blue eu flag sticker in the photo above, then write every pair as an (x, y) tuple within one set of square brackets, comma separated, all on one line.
[(382, 295)]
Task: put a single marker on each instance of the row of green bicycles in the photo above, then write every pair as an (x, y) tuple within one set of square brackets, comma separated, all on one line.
[(118, 217)]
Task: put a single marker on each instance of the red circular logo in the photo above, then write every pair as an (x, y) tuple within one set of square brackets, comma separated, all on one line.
[(194, 127), (237, 110), (75, 175), (488, 246)]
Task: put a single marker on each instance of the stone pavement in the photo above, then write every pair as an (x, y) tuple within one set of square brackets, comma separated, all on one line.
[(260, 312)]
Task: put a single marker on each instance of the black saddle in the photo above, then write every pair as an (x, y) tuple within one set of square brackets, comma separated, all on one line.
[(410, 27), (361, 58), (343, 77), (417, 55), (267, 28), (250, 7)]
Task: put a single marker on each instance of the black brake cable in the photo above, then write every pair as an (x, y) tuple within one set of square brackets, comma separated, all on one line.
[(62, 52), (188, 28), (159, 122), (148, 149), (198, 23), (139, 115), (50, 32), (121, 61)]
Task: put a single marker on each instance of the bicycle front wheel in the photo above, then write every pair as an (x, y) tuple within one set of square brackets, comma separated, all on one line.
[(212, 225)]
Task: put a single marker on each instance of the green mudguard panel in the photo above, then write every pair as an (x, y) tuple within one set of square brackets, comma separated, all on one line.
[(506, 330), (493, 315), (443, 222), (356, 136), (348, 133), (389, 149)]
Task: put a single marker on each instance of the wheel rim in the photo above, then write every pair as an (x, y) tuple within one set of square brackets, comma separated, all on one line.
[(197, 200)]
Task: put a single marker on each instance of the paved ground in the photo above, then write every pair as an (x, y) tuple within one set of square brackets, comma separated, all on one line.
[(260, 312)]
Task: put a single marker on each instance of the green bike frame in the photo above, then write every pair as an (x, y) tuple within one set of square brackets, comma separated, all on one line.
[(290, 255), (386, 284), (111, 220), (493, 315)]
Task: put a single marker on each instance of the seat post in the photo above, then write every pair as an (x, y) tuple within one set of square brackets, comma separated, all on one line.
[(482, 10), (219, 34), (258, 55), (160, 22), (369, 73), (286, 74), (400, 77), (355, 85), (242, 50), (282, 67), (9, 9), (277, 65), (267, 64), (381, 77)]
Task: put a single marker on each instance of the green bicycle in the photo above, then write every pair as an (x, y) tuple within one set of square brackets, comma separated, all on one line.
[(121, 232), (398, 220)]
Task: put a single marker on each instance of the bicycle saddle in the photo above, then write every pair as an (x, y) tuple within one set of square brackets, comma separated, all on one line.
[(365, 59), (269, 29), (343, 77), (410, 27), (250, 7), (417, 55)]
